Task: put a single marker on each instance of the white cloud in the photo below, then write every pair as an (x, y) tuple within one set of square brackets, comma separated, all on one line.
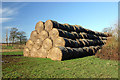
[(7, 13), (5, 20), (8, 27)]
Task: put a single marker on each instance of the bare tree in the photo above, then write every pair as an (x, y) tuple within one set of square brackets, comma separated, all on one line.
[(114, 30), (108, 29), (7, 36)]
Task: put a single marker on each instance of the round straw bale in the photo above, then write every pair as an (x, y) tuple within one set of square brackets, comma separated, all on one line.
[(26, 51), (60, 41), (86, 42), (43, 35), (91, 42), (76, 29), (39, 53), (75, 34), (47, 44), (81, 52), (38, 43), (90, 31), (80, 28), (70, 51), (29, 44), (49, 25), (33, 52), (104, 41), (75, 52), (48, 55), (76, 44), (43, 53), (72, 43), (104, 38), (81, 43), (63, 27), (93, 49), (88, 51), (81, 35), (39, 26), (69, 28), (69, 35), (33, 35), (58, 53), (54, 33), (85, 35)]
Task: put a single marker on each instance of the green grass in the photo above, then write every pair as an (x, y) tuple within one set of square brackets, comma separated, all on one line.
[(7, 47), (12, 53), (87, 67)]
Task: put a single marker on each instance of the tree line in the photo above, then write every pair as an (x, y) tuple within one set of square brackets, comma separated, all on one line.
[(16, 36)]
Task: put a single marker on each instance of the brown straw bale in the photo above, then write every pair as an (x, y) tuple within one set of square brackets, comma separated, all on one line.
[(47, 44), (26, 51), (43, 35), (33, 35), (50, 24), (38, 43), (39, 26), (58, 53), (29, 44)]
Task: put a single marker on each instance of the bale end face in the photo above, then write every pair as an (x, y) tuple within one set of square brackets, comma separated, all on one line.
[(54, 33), (48, 25), (42, 53), (39, 26), (58, 53), (43, 35), (47, 44), (29, 44), (26, 52), (33, 35)]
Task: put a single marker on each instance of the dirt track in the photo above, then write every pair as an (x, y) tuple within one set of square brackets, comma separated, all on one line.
[(11, 50)]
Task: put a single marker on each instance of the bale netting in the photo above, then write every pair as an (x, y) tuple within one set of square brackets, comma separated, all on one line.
[(57, 41)]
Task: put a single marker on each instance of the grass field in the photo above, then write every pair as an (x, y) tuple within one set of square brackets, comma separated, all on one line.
[(13, 53), (87, 67)]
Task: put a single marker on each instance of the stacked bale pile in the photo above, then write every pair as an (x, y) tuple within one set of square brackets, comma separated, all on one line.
[(63, 41)]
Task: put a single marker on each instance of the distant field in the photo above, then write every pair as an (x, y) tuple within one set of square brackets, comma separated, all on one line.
[(87, 67), (13, 53), (10, 48)]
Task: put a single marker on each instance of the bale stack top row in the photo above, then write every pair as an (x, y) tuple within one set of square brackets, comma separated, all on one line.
[(57, 41)]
